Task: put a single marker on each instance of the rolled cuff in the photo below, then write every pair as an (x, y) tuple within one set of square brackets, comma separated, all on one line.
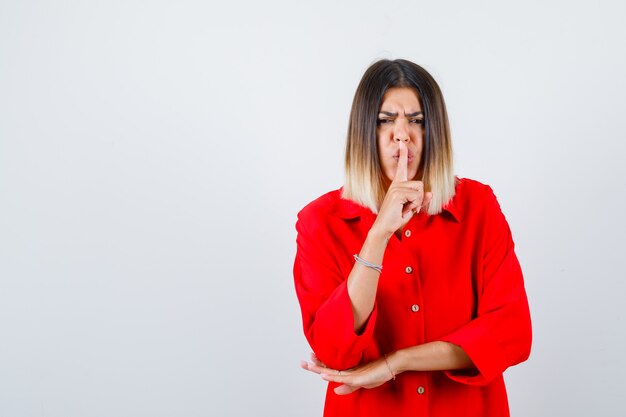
[(332, 334), (484, 351)]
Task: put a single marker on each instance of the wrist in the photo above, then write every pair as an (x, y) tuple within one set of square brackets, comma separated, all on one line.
[(397, 361), (378, 236)]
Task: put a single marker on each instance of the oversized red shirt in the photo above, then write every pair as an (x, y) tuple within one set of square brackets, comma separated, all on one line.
[(451, 277)]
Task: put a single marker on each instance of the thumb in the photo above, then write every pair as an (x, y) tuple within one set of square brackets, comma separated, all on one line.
[(345, 389), (408, 212)]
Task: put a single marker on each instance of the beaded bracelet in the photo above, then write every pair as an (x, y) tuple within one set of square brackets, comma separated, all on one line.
[(378, 268)]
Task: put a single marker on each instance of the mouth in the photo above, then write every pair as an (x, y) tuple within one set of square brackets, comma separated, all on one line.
[(396, 156)]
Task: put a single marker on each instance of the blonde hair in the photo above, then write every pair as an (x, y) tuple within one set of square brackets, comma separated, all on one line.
[(365, 180)]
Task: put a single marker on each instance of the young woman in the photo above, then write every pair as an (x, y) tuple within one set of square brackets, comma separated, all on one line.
[(411, 294)]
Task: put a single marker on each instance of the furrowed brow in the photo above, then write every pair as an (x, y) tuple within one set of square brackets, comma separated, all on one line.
[(392, 114)]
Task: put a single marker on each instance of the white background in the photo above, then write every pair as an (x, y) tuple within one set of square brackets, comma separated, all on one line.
[(153, 157)]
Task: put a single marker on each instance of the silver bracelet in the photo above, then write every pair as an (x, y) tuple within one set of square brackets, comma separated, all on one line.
[(378, 268)]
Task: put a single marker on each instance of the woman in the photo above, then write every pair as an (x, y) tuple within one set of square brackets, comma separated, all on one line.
[(411, 294)]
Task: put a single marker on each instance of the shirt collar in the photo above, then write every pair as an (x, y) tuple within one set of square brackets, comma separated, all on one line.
[(348, 209), (451, 208)]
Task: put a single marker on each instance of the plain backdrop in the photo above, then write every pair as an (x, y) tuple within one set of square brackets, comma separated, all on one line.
[(154, 154)]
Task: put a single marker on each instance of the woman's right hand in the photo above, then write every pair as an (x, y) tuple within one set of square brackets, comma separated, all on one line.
[(403, 199)]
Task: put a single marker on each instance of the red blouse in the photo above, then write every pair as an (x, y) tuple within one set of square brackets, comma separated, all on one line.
[(452, 277)]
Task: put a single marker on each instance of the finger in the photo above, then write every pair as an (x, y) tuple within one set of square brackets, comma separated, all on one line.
[(413, 185), (342, 378), (345, 389), (316, 360), (428, 197), (410, 205), (413, 195), (313, 367), (408, 212), (410, 201), (406, 195), (403, 160)]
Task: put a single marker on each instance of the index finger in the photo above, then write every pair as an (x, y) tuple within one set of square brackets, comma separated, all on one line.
[(340, 378), (403, 161)]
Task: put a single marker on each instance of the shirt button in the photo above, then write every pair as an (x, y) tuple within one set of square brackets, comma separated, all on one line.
[(407, 233), (415, 308), (408, 269), (420, 390)]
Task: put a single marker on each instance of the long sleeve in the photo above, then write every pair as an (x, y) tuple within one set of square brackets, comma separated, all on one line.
[(321, 267), (500, 334)]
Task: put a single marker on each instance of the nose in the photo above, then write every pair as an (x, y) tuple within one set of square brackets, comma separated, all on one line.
[(401, 132), (402, 139)]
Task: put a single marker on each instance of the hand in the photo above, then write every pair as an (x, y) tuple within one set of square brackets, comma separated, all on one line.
[(367, 376), (403, 199)]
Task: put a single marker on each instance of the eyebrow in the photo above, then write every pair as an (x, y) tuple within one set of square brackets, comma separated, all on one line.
[(391, 114)]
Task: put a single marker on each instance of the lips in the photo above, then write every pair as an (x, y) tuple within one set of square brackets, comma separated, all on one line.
[(396, 156)]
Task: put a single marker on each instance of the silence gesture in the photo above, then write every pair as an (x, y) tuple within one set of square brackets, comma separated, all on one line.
[(404, 198)]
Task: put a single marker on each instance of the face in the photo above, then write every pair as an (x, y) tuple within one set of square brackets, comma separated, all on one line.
[(400, 118)]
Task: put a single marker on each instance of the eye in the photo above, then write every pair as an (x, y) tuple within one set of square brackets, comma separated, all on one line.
[(417, 121), (384, 121)]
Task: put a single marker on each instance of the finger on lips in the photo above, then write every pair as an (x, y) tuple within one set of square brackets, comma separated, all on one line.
[(403, 161)]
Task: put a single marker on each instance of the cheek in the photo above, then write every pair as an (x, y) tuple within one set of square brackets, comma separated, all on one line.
[(389, 167), (385, 164), (381, 153), (388, 170)]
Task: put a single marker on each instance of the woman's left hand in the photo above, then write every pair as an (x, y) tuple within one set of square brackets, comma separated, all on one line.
[(370, 375)]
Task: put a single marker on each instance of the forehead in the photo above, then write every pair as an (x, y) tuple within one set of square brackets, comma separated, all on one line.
[(400, 98)]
